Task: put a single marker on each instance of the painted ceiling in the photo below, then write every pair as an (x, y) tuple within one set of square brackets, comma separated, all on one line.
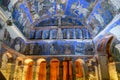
[(93, 15)]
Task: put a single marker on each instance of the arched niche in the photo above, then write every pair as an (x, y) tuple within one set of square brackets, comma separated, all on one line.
[(54, 69), (6, 58), (67, 70), (19, 61), (104, 53), (18, 68), (79, 68), (18, 44), (104, 44), (41, 69), (28, 69)]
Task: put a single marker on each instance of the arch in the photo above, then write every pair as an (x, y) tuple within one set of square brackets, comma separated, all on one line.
[(19, 61), (18, 68), (41, 69), (9, 57), (28, 69), (108, 44), (104, 44), (54, 69), (79, 68), (4, 60), (67, 70)]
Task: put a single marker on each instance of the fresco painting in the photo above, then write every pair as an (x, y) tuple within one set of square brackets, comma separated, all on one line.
[(84, 45)]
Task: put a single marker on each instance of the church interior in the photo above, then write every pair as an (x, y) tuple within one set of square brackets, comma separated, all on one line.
[(59, 39)]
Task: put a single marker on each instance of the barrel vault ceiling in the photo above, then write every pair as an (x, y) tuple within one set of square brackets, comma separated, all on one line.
[(94, 15)]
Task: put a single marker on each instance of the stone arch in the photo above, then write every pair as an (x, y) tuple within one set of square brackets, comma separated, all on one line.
[(108, 44), (19, 61), (5, 59), (54, 69), (28, 69), (18, 68), (17, 44), (41, 69), (9, 56), (104, 44), (79, 68)]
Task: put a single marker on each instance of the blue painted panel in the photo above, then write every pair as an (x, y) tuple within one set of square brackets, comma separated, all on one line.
[(100, 16), (78, 33), (48, 22), (45, 48), (26, 11), (80, 48), (38, 34), (46, 34), (65, 35), (86, 34), (72, 33), (53, 34), (15, 14), (32, 34)]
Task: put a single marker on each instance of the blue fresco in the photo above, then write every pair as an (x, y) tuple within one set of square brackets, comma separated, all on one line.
[(55, 47), (53, 34), (79, 33), (80, 48), (67, 33), (75, 11), (86, 34), (107, 30), (48, 22), (100, 16), (64, 48), (46, 34), (26, 11), (65, 21), (55, 7), (72, 12), (15, 14), (72, 34), (38, 34), (32, 34)]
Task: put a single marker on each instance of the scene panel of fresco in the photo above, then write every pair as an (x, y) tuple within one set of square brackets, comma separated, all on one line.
[(53, 47), (102, 14)]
